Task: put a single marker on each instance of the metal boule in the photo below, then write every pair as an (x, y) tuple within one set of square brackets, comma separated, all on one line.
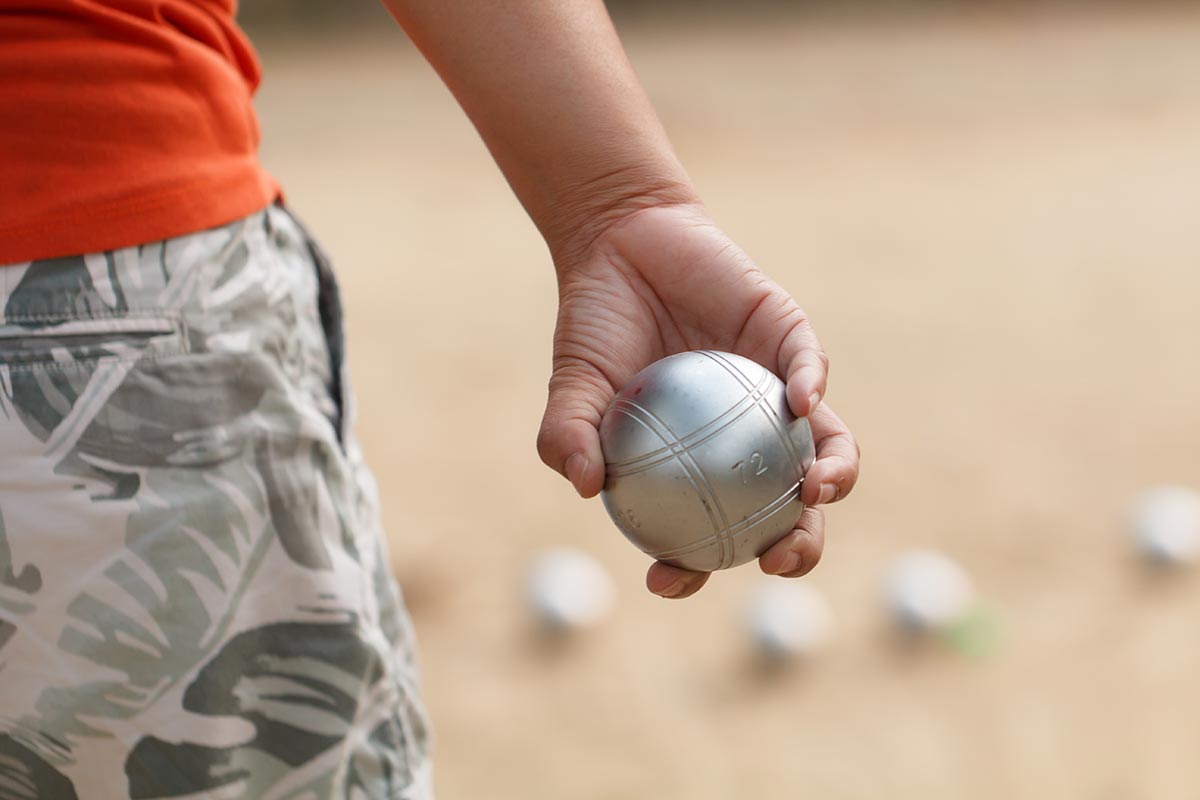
[(704, 460)]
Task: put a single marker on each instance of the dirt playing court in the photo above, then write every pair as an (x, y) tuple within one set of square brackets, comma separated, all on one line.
[(992, 222)]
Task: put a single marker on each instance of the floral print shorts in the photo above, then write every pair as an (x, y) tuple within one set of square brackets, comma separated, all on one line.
[(195, 597)]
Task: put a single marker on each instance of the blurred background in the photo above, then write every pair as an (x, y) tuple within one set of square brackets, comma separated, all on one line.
[(990, 215)]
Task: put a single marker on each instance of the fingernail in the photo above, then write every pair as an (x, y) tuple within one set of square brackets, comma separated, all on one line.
[(814, 400), (674, 590), (828, 492), (790, 563), (576, 468)]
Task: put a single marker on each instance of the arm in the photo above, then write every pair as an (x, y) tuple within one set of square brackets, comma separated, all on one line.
[(549, 89), (642, 271)]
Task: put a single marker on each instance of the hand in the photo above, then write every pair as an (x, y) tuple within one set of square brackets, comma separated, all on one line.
[(663, 280)]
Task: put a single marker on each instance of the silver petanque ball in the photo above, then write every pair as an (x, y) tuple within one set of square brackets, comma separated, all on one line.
[(704, 460)]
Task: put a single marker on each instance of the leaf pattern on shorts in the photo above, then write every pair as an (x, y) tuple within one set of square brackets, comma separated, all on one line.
[(26, 776), (302, 688), (251, 588), (17, 587), (166, 599), (56, 289)]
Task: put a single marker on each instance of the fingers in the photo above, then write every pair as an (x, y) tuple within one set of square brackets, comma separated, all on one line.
[(799, 551), (569, 439), (674, 583), (831, 477), (804, 365), (792, 556), (835, 471), (778, 334)]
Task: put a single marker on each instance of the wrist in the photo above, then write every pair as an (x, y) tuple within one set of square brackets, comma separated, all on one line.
[(573, 223)]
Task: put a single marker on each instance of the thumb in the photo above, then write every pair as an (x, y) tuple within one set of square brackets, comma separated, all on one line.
[(569, 439)]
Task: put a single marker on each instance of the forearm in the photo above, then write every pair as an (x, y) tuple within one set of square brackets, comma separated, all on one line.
[(548, 86)]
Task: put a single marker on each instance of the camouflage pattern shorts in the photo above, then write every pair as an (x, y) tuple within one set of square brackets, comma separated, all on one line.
[(195, 599)]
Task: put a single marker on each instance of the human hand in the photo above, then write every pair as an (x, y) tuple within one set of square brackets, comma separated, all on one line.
[(662, 280)]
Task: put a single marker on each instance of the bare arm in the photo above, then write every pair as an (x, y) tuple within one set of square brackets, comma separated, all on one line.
[(642, 271), (549, 88)]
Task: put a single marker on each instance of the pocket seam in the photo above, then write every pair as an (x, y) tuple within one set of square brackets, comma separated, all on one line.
[(82, 363), (179, 344), (173, 316)]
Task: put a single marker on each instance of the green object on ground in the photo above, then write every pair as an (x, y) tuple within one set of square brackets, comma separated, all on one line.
[(977, 634)]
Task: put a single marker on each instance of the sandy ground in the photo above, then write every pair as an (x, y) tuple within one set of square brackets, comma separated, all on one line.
[(992, 222)]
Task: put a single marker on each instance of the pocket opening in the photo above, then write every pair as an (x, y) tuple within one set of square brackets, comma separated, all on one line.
[(74, 342), (98, 326)]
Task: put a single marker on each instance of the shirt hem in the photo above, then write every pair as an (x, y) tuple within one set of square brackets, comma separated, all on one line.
[(188, 208)]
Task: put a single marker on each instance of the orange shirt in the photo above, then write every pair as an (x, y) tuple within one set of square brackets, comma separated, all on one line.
[(123, 122)]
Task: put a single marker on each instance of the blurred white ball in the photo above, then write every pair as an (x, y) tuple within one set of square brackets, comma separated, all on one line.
[(1165, 522), (568, 589), (926, 590), (787, 619)]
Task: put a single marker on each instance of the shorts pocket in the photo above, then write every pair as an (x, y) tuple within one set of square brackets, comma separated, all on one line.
[(84, 341)]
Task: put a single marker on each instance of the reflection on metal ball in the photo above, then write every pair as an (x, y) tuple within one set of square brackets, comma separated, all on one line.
[(704, 460)]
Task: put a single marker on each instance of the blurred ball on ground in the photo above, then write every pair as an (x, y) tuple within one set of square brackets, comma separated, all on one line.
[(927, 591), (568, 590), (787, 620), (1165, 523)]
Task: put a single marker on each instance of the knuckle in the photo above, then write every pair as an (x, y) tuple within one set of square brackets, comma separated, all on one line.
[(823, 360), (546, 449)]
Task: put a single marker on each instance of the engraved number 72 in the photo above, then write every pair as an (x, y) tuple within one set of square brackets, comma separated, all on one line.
[(752, 467)]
